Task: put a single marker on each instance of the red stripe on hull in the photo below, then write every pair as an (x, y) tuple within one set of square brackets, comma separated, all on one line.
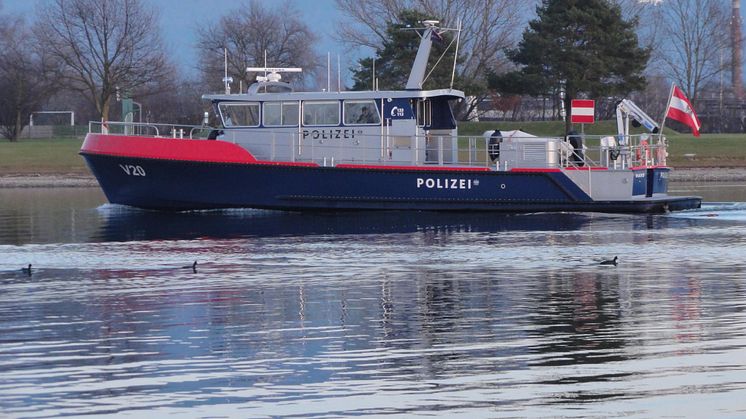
[(428, 168), (175, 149), (212, 151), (586, 168), (648, 167), (166, 148), (534, 169), (286, 163)]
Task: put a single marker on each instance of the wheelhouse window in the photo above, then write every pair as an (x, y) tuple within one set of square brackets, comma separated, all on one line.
[(361, 112), (321, 113), (435, 113), (239, 114), (424, 116), (280, 114)]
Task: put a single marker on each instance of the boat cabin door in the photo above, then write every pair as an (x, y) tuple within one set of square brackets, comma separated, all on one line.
[(435, 119), (424, 113), (401, 128)]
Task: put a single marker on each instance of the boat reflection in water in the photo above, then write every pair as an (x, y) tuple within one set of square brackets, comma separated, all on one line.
[(369, 314), (121, 223)]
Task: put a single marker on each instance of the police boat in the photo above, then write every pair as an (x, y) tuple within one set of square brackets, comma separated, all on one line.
[(277, 148)]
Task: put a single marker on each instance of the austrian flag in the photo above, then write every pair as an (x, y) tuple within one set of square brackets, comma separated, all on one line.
[(680, 109)]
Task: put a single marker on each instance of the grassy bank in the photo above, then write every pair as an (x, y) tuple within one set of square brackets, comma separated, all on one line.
[(27, 156), (48, 156)]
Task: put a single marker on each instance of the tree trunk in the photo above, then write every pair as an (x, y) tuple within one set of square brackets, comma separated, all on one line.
[(105, 110), (18, 127)]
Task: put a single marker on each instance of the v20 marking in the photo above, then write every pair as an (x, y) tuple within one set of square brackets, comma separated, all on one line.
[(132, 170)]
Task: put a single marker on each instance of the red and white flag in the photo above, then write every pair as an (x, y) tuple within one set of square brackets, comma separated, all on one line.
[(680, 109)]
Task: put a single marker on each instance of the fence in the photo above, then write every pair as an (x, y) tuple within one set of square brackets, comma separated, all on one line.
[(54, 131)]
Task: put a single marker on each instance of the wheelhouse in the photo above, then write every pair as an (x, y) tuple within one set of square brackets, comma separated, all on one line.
[(371, 126), (429, 109)]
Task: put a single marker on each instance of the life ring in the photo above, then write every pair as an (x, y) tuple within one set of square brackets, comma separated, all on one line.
[(642, 150)]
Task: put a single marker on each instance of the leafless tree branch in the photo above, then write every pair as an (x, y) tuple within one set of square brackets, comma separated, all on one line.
[(104, 45), (696, 42), (27, 76), (247, 33), (488, 28)]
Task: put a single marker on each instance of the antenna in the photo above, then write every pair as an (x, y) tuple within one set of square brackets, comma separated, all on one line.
[(227, 80), (455, 55)]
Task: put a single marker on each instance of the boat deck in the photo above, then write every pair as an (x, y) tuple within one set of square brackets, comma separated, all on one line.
[(519, 151)]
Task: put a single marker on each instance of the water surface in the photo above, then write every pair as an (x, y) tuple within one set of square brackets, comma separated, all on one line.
[(381, 314)]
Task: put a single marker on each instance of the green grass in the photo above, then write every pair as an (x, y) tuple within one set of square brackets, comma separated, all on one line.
[(59, 155), (721, 150)]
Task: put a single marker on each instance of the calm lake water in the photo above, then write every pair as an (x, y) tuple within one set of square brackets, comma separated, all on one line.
[(380, 314)]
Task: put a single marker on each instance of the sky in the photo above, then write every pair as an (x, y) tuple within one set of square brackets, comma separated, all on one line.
[(181, 18)]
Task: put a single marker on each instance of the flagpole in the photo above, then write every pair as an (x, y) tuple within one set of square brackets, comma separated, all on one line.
[(668, 105)]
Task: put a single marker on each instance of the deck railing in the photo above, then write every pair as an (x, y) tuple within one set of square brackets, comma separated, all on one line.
[(612, 152), (150, 129)]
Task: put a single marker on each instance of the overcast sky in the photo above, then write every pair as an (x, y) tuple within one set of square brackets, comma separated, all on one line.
[(180, 18)]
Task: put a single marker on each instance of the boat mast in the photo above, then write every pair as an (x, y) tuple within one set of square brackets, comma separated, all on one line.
[(417, 75), (455, 56)]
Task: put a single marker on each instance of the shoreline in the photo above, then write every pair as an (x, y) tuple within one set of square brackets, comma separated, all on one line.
[(81, 180), (47, 180), (707, 174)]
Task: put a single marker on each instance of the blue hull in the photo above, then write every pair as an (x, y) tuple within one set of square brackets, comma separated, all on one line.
[(188, 185)]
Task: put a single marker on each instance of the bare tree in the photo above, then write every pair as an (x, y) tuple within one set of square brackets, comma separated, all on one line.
[(649, 25), (26, 76), (177, 104), (695, 47), (488, 28), (736, 39), (250, 31), (104, 45)]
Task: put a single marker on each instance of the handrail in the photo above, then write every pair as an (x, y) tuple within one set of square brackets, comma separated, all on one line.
[(441, 150), (107, 125), (199, 128)]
